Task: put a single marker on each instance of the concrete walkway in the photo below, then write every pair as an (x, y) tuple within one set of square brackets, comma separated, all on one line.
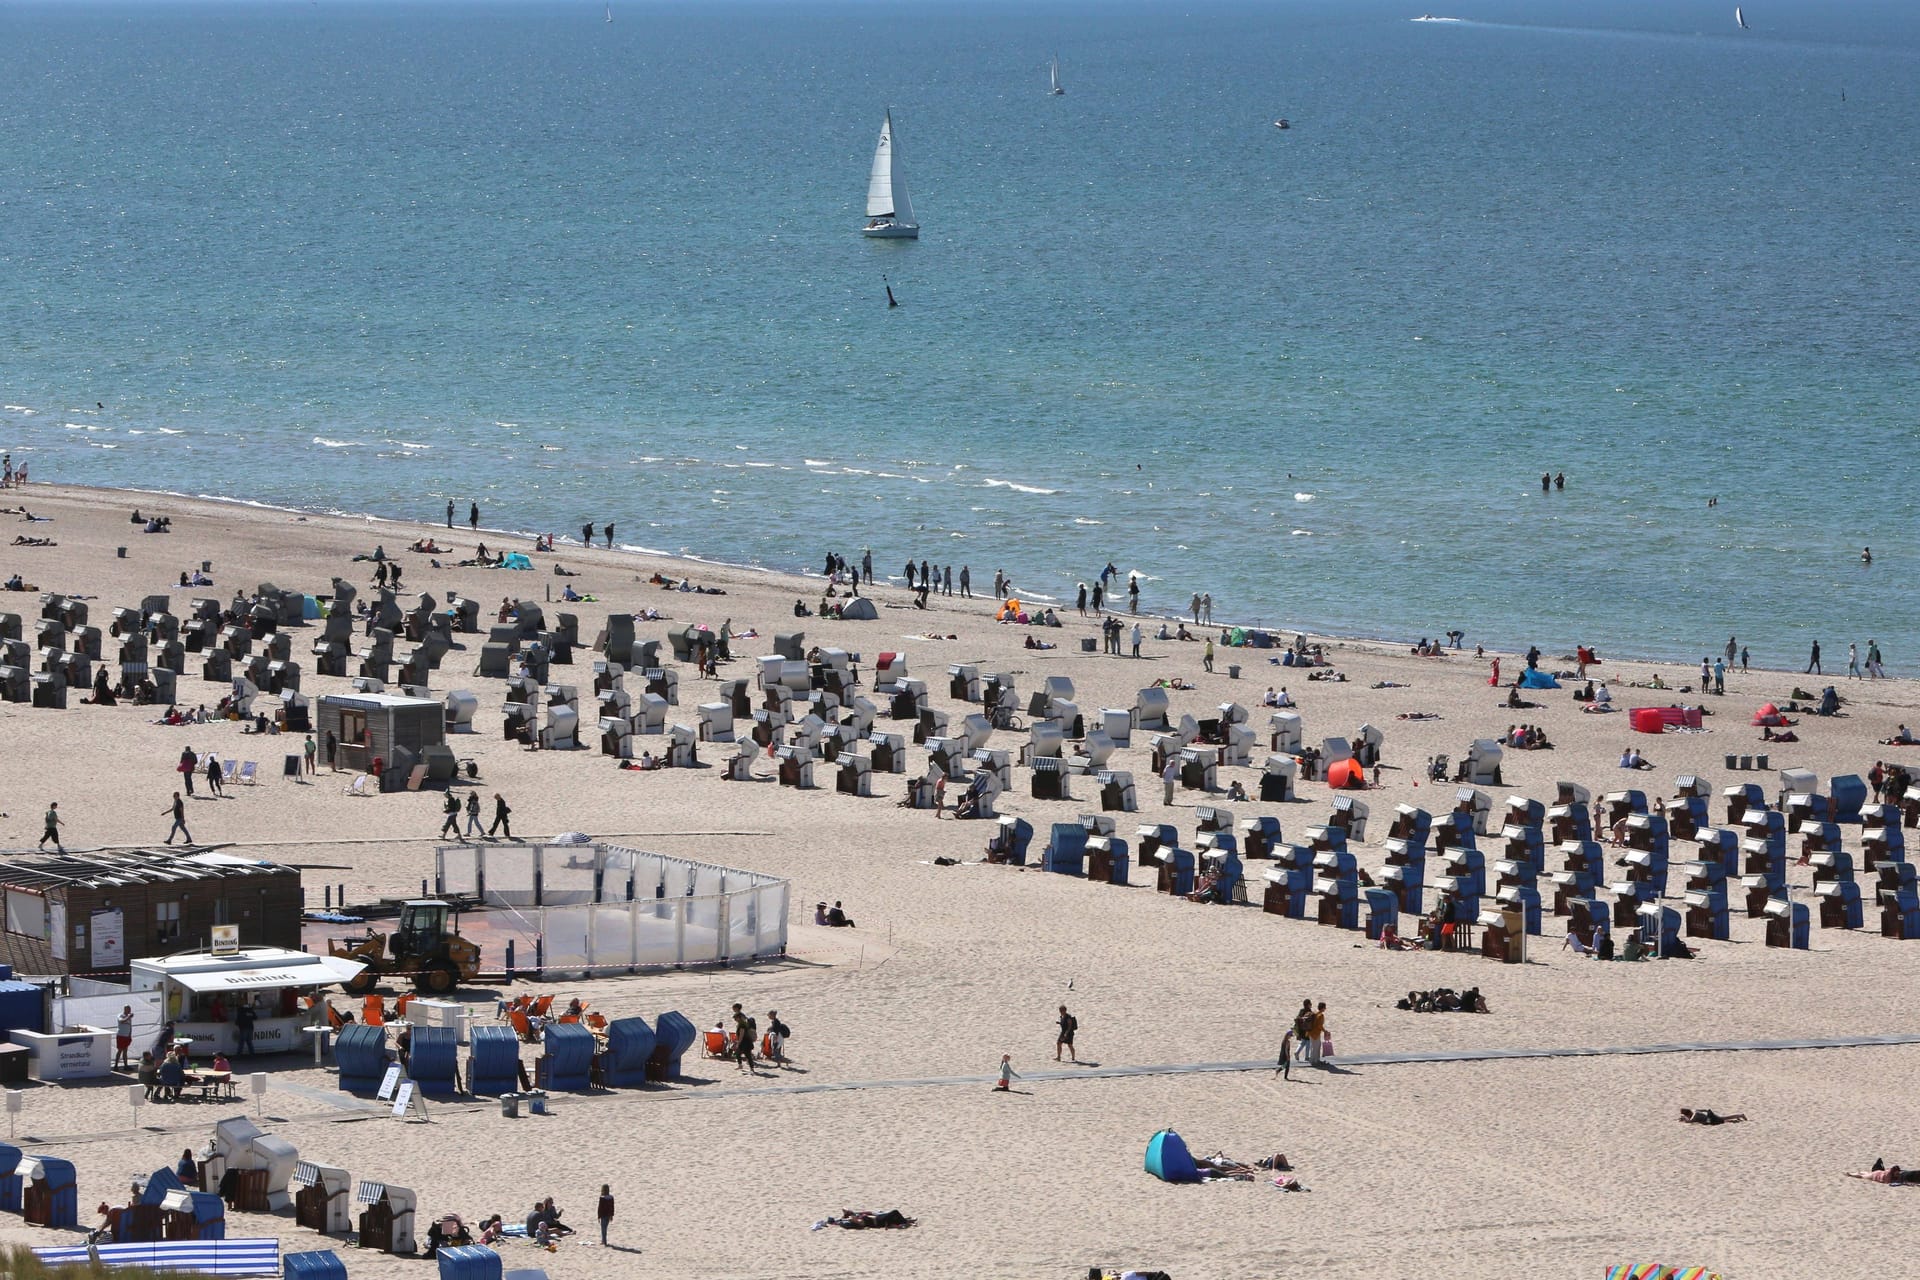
[(1344, 1062)]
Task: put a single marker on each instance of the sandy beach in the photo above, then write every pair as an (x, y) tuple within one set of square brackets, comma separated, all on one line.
[(1555, 1164)]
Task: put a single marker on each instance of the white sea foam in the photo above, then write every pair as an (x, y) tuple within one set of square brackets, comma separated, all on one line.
[(333, 444), (17, 408), (1303, 497), (818, 462), (408, 444), (95, 444), (1084, 520), (1301, 533), (550, 448), (170, 431), (1018, 488)]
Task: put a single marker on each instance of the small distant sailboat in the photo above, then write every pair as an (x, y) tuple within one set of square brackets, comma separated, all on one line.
[(1740, 18), (609, 10), (1053, 75), (889, 208)]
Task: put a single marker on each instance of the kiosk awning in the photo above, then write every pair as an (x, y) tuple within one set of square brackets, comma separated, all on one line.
[(325, 970)]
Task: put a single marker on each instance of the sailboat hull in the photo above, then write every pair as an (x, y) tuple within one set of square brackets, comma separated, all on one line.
[(892, 231)]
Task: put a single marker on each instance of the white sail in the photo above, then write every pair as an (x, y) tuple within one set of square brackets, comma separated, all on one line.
[(1739, 17), (1053, 73), (887, 184)]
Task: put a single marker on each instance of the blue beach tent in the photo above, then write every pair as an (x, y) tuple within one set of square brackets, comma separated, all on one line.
[(1168, 1158), (1535, 678)]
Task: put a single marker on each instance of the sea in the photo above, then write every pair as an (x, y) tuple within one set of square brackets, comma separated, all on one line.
[(374, 257)]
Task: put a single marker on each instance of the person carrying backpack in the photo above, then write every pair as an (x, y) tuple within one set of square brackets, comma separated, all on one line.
[(777, 1033), (1068, 1025)]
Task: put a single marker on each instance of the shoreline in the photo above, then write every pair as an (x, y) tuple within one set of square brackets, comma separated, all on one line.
[(1371, 644)]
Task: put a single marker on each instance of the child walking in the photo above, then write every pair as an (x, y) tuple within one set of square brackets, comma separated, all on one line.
[(1007, 1074)]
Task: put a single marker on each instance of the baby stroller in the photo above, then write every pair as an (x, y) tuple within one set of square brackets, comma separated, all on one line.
[(1436, 768)]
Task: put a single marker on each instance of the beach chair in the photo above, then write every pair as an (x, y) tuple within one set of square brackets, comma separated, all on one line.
[(373, 1011), (400, 1005), (713, 1044), (540, 1006), (522, 1027), (362, 785), (597, 1023), (230, 771), (334, 1019), (249, 771)]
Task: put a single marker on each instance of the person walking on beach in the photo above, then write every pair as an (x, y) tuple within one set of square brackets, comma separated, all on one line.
[(451, 827), (1170, 778), (500, 815), (1133, 593), (1732, 650), (1303, 1040), (1743, 657), (744, 1030), (604, 1211), (1284, 1067), (333, 750), (474, 828), (609, 533), (1853, 661), (215, 779), (1206, 659), (473, 516), (946, 581), (1081, 602), (1194, 608), (1099, 598), (1136, 639), (1323, 1037), (586, 534), (966, 582), (310, 751), (1875, 670), (909, 575), (1007, 1074), (1719, 675), (1068, 1025), (179, 812), (53, 827), (1206, 607), (449, 513), (1813, 662), (188, 766), (1706, 675)]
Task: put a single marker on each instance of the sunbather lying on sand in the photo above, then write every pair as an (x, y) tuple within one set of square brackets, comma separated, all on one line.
[(1692, 1115), (1892, 1176), (853, 1221)]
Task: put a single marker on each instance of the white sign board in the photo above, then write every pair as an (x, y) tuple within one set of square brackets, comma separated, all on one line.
[(107, 935), (225, 939), (390, 1083), (403, 1100)]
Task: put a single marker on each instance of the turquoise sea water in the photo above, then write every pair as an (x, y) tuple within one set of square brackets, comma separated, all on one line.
[(364, 257)]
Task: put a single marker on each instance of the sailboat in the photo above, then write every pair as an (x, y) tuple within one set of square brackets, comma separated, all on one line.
[(1740, 18), (609, 10), (889, 209), (1053, 72)]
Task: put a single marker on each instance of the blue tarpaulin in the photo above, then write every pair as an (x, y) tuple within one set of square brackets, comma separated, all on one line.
[(1535, 678)]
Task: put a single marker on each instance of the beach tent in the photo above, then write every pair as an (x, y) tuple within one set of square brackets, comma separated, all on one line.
[(858, 609), (1346, 775), (1168, 1158), (1535, 678), (515, 560), (1769, 715)]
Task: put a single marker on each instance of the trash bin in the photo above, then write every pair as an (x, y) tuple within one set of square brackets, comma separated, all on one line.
[(1086, 644), (536, 1102), (510, 1105), (1233, 671)]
